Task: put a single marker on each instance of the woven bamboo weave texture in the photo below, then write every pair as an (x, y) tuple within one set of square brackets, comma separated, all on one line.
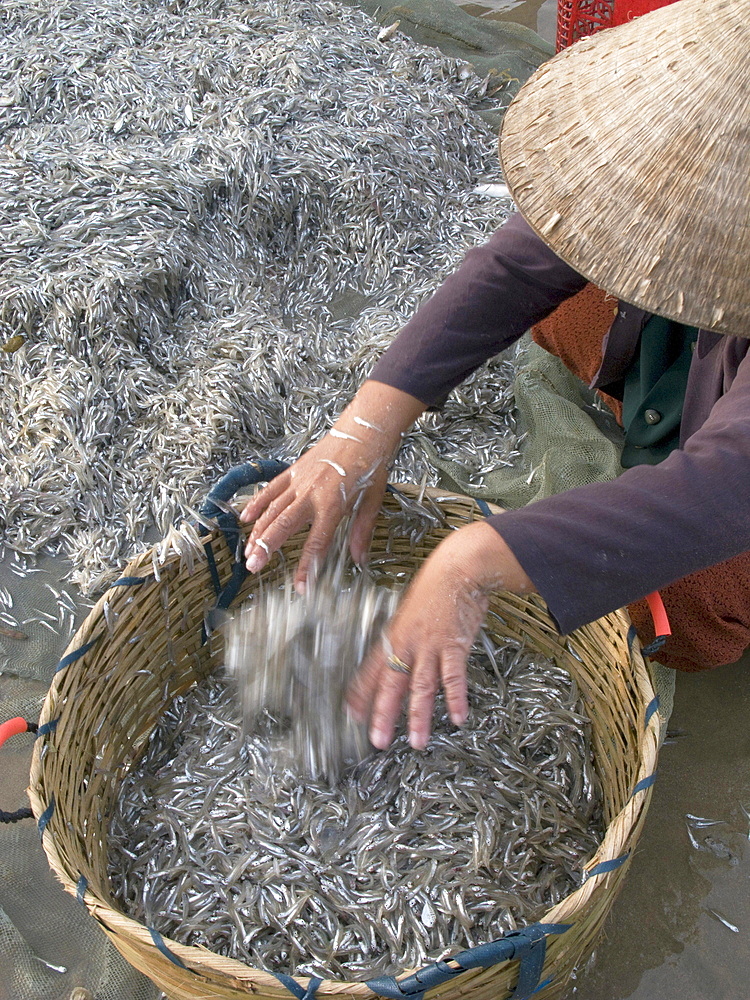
[(144, 643)]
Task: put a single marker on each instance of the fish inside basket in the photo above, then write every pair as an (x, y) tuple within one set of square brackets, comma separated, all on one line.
[(150, 639)]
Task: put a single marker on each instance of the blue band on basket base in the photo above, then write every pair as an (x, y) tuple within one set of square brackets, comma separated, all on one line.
[(632, 636), (527, 945), (607, 866), (76, 654), (653, 706), (46, 816), (294, 987), (643, 784), (483, 506), (159, 942), (655, 646), (47, 727), (130, 581)]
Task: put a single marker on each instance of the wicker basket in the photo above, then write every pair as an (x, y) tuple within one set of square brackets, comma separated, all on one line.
[(145, 642)]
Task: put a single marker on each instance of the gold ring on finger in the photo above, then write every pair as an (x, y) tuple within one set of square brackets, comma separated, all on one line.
[(397, 664)]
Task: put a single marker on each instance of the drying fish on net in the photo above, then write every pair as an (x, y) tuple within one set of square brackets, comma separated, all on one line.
[(215, 218), (299, 852)]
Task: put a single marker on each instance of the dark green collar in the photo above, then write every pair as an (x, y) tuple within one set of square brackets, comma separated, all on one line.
[(654, 391)]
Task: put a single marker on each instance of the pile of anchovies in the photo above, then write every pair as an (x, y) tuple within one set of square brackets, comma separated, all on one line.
[(216, 216), (244, 843)]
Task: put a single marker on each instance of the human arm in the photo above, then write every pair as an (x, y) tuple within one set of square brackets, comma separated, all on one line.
[(602, 546), (432, 632), (501, 288), (347, 466), (587, 551)]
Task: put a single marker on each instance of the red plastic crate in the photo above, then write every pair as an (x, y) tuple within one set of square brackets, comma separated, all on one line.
[(579, 18), (626, 10)]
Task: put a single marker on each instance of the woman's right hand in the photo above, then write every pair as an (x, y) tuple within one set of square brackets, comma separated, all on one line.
[(346, 467)]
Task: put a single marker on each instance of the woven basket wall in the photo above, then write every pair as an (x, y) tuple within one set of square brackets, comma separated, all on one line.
[(143, 644)]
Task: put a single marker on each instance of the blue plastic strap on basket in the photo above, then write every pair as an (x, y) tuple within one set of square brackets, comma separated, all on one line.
[(46, 816), (130, 581), (232, 588), (75, 655), (47, 727), (159, 942), (81, 887), (529, 945), (653, 706), (655, 646), (294, 987), (212, 568), (643, 784), (608, 866), (632, 636), (257, 470), (649, 650), (483, 506)]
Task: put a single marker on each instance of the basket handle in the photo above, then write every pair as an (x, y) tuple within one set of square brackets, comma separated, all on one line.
[(7, 729), (256, 470)]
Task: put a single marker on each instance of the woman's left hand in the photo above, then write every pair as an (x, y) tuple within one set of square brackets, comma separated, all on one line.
[(431, 634)]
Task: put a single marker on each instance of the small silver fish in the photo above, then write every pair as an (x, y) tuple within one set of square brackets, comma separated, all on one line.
[(385, 34)]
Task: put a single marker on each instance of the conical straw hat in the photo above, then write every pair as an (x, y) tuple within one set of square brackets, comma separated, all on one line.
[(628, 153)]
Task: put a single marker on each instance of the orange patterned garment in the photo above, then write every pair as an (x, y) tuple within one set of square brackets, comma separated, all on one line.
[(709, 612)]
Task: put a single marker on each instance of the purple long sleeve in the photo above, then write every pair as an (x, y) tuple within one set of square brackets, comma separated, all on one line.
[(596, 548), (500, 290)]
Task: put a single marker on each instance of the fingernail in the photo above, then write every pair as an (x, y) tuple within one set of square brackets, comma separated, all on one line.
[(379, 738), (255, 562), (458, 718), (301, 587), (417, 741)]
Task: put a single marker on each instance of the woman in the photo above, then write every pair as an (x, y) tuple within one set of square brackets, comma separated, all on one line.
[(627, 156)]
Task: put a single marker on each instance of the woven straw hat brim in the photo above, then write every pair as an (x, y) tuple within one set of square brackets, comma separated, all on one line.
[(628, 154)]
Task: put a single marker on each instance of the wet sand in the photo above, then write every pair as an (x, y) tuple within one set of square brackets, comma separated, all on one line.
[(664, 938)]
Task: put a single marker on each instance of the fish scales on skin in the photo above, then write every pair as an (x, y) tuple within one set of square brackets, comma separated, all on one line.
[(387, 862), (189, 203)]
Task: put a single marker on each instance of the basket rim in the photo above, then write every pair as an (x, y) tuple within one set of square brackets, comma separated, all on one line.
[(603, 869)]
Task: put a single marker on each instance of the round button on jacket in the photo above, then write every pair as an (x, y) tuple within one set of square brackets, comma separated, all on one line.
[(652, 416)]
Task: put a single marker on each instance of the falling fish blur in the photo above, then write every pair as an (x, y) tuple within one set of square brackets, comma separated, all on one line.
[(213, 224), (221, 840), (293, 657)]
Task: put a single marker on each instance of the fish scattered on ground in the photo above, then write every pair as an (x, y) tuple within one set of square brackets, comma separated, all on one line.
[(215, 218)]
